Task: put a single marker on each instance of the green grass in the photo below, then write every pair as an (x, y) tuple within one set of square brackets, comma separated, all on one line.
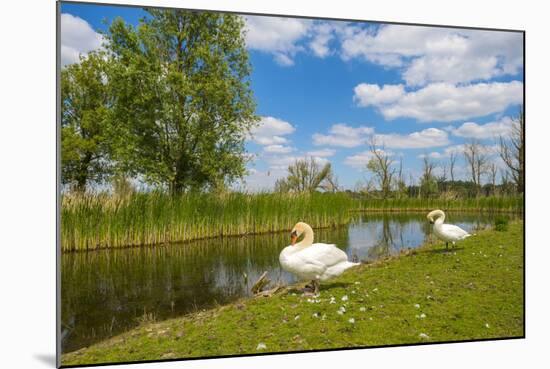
[(494, 204), (103, 221), (429, 295)]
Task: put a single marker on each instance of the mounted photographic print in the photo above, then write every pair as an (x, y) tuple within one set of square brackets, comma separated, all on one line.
[(243, 184)]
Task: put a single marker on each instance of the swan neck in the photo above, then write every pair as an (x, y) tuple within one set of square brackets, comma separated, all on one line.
[(440, 218), (308, 238)]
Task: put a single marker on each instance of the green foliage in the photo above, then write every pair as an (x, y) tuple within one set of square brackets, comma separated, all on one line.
[(182, 103), (84, 125), (91, 221), (474, 292), (306, 175), (501, 224)]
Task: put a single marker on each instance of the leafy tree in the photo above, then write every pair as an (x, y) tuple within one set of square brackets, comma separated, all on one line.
[(84, 111), (182, 99), (307, 175)]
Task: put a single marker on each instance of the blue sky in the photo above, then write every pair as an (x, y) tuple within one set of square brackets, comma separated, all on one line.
[(325, 89)]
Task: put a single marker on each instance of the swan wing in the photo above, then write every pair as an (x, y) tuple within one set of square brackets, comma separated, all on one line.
[(453, 231), (323, 254)]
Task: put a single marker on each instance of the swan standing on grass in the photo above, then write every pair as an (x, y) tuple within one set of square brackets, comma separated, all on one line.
[(446, 232), (312, 261)]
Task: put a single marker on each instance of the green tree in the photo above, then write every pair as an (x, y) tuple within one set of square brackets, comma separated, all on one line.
[(84, 111), (182, 99), (307, 175), (381, 165)]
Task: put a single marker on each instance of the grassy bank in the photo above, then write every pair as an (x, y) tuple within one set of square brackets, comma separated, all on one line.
[(473, 292), (101, 221)]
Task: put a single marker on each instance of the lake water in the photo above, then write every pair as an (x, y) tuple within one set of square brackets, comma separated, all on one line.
[(108, 291)]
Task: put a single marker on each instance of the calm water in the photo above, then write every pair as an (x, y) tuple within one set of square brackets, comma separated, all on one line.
[(107, 292)]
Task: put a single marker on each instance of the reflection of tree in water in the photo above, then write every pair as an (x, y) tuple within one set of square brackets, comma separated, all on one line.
[(385, 242)]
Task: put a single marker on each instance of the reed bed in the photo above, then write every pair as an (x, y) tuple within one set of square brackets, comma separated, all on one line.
[(95, 221), (102, 221), (490, 204)]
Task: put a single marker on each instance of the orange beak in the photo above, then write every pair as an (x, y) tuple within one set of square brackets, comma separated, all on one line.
[(293, 238)]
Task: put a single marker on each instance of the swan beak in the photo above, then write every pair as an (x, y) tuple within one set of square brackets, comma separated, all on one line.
[(293, 237)]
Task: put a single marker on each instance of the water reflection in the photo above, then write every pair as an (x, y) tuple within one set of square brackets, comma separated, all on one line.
[(107, 292)]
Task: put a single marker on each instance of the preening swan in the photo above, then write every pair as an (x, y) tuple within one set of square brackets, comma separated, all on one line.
[(312, 261), (446, 232)]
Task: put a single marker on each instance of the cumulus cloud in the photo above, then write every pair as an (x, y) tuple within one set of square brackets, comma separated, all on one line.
[(271, 131), (278, 149), (430, 137), (361, 159), (276, 35), (343, 135), (429, 54), (323, 153), (77, 38), (484, 131), (440, 101)]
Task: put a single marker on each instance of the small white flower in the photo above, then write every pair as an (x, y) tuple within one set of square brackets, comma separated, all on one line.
[(370, 318), (487, 325), (339, 312), (353, 291), (429, 297), (296, 317), (345, 298), (324, 317), (422, 316), (375, 290), (261, 346), (332, 300), (357, 282), (315, 315), (424, 336), (417, 306), (351, 320), (362, 308)]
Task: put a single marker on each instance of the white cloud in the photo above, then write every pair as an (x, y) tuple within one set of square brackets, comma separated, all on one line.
[(278, 149), (430, 54), (270, 131), (77, 38), (343, 135), (484, 131), (371, 94), (441, 101), (430, 137), (360, 160), (276, 35), (323, 153)]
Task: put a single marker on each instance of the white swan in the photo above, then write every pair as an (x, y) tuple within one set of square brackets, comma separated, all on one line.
[(312, 261), (446, 232)]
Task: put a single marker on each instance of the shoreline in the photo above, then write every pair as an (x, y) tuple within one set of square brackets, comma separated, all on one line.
[(222, 330), (356, 212)]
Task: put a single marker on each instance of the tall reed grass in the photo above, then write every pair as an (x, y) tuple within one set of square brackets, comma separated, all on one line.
[(96, 221), (103, 221), (492, 204)]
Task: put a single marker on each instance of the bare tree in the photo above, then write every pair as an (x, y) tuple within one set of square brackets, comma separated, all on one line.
[(428, 183), (477, 158), (307, 175), (452, 163), (512, 151), (493, 177), (381, 165)]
